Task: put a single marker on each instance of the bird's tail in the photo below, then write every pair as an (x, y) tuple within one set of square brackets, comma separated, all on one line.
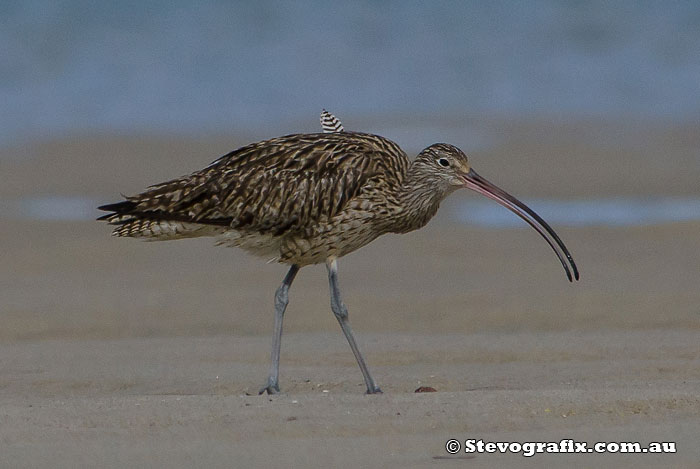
[(129, 222)]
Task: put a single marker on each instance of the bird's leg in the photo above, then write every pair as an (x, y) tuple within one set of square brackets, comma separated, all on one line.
[(341, 313), (281, 300)]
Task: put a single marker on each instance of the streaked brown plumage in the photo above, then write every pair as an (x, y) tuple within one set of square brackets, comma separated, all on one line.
[(309, 198), (299, 199)]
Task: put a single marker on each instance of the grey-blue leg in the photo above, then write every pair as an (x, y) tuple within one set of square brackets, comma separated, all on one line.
[(281, 300), (341, 314)]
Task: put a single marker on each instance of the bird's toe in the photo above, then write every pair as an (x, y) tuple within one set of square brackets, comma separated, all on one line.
[(270, 389)]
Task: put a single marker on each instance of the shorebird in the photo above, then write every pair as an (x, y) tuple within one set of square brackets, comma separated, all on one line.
[(306, 199)]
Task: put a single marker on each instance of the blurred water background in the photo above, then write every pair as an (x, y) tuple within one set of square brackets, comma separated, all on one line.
[(416, 72), (617, 211), (259, 66)]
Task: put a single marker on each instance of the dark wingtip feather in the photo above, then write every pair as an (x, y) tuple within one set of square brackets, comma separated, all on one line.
[(118, 208)]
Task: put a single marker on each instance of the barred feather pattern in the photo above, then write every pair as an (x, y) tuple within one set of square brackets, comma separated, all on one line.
[(330, 123), (298, 199)]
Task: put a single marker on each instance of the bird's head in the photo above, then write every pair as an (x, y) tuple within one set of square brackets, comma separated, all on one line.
[(444, 165), (447, 168)]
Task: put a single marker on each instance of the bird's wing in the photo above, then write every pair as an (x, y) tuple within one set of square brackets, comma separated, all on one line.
[(278, 185)]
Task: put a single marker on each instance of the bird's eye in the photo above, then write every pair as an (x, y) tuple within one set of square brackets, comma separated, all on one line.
[(443, 162)]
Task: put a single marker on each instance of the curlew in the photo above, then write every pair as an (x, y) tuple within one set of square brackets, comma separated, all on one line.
[(306, 199)]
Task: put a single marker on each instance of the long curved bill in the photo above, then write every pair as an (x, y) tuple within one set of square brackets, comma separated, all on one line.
[(478, 184)]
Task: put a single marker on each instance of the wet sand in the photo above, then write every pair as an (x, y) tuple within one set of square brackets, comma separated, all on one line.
[(117, 353)]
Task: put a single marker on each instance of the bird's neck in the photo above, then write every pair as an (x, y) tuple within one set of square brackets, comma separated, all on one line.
[(419, 198)]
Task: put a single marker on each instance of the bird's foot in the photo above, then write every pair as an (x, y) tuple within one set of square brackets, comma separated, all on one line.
[(374, 390), (271, 388)]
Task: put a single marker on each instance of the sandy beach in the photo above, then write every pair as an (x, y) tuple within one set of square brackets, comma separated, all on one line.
[(119, 353)]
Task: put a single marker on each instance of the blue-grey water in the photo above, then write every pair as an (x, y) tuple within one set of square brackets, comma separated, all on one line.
[(618, 211), (483, 213), (77, 65)]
